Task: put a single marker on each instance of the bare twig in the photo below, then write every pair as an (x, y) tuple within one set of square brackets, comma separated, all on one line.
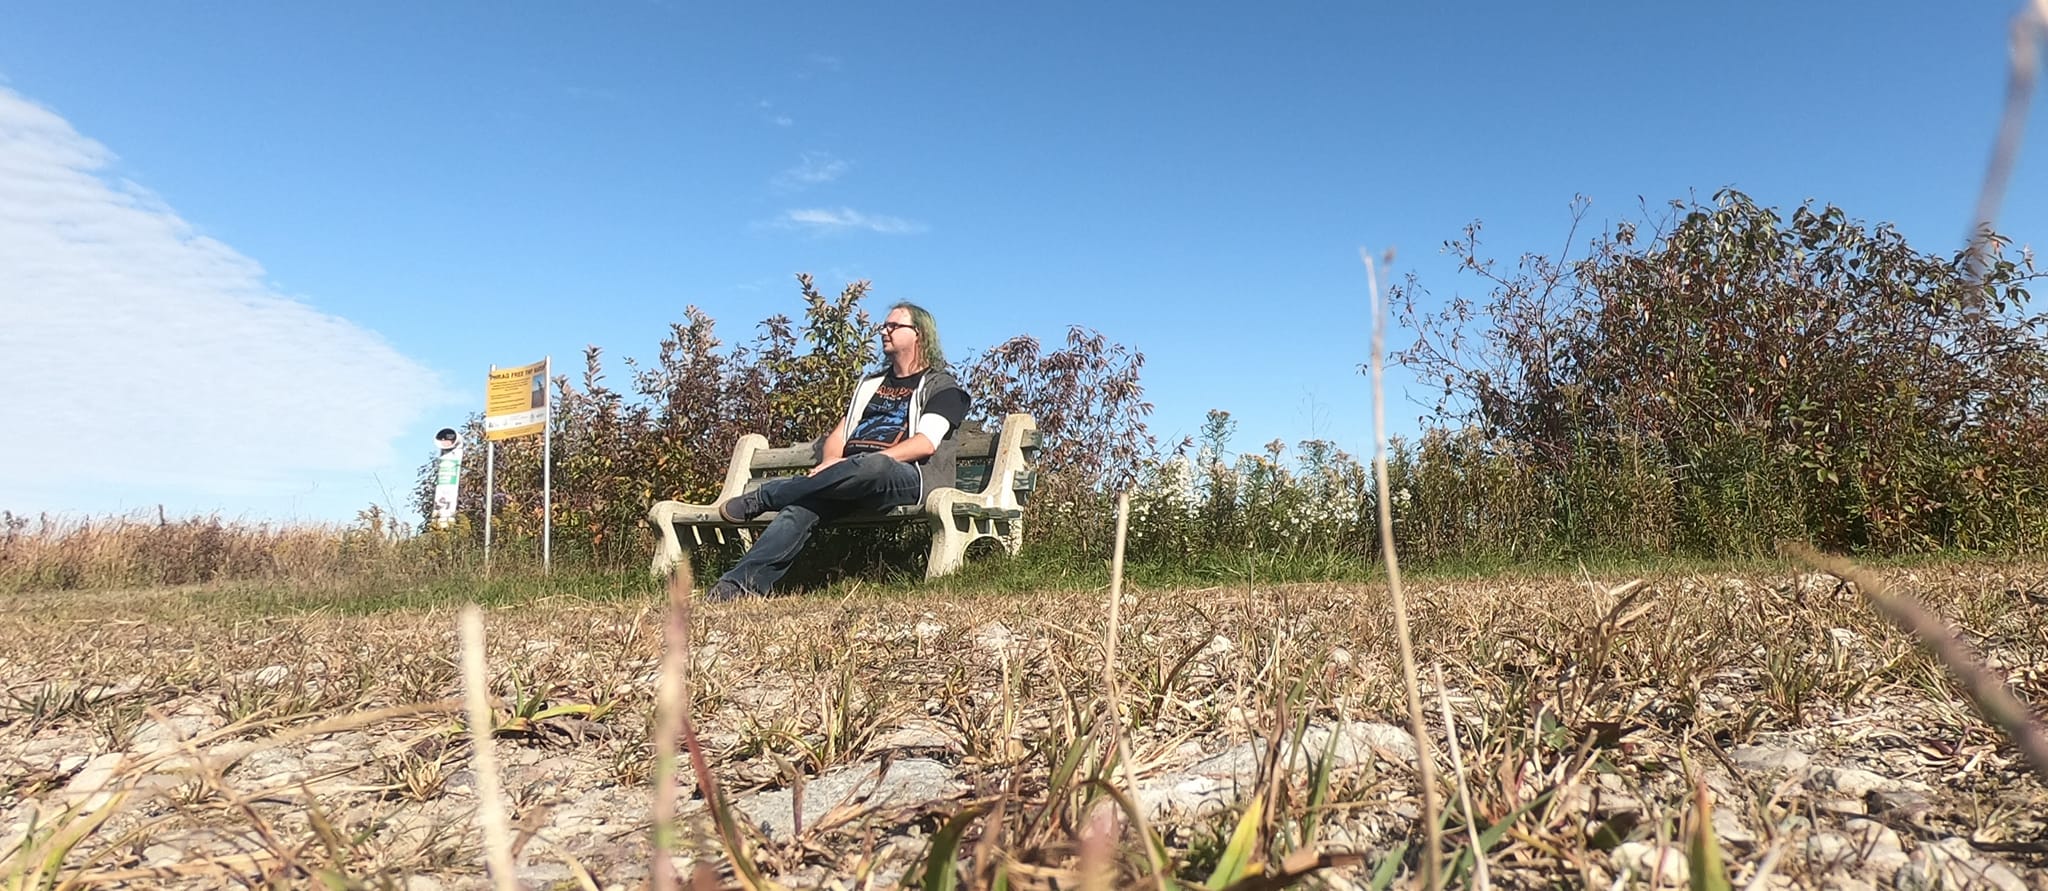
[(2028, 29), (1983, 685), (1425, 769), (490, 810)]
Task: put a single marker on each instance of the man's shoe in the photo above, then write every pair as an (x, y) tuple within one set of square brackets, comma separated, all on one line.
[(741, 508), (725, 591)]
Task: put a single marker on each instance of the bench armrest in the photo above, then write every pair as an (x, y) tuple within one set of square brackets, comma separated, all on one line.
[(738, 472), (1018, 428)]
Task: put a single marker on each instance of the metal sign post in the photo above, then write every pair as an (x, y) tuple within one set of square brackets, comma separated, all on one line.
[(547, 468), (490, 489), (516, 404)]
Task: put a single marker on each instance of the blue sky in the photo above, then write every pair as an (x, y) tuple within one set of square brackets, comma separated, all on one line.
[(260, 252)]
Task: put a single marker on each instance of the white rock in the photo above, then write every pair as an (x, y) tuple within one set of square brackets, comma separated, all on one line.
[(57, 746), (544, 874), (1195, 795), (1216, 783), (158, 738), (2002, 877), (1728, 827), (1218, 646), (1951, 863), (916, 736), (1871, 835), (95, 785), (1598, 801), (1358, 742), (1769, 758), (1831, 849), (996, 639), (109, 691), (1879, 849), (1969, 868), (1843, 806), (909, 781), (1815, 581), (1853, 782), (1655, 864)]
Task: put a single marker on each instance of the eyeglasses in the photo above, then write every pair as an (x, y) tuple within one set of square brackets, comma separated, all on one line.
[(888, 328)]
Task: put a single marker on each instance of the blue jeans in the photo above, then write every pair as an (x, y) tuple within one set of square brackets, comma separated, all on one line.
[(870, 482)]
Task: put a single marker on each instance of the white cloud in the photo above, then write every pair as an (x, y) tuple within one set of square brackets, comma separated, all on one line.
[(769, 114), (815, 170), (844, 219), (139, 355)]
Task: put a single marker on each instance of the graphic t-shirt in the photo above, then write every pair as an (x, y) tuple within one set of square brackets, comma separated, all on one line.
[(887, 415)]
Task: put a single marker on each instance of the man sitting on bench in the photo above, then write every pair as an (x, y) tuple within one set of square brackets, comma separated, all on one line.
[(873, 459)]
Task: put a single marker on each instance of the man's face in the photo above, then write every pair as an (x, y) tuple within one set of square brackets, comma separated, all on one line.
[(897, 333)]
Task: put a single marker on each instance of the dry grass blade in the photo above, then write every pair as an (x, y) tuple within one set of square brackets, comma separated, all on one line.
[(1480, 879), (1707, 871), (577, 871), (1236, 860), (2028, 30), (1984, 687), (37, 863), (941, 872), (1425, 767), (219, 867), (1296, 868), (1111, 696), (490, 810), (210, 772), (676, 676), (668, 708)]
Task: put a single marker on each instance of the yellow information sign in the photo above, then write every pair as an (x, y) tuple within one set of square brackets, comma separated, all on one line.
[(516, 401)]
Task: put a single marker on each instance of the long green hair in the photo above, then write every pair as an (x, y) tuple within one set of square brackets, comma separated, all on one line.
[(927, 334)]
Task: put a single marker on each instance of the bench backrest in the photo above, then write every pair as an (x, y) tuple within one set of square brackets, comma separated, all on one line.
[(964, 461)]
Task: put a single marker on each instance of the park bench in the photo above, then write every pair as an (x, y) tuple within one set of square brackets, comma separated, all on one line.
[(975, 487)]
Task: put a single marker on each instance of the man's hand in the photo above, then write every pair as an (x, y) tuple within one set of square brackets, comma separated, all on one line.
[(828, 462)]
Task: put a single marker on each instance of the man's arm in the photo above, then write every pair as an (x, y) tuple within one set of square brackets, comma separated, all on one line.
[(916, 448), (834, 449), (835, 443), (942, 415)]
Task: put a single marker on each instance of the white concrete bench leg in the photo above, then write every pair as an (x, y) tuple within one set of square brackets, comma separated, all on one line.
[(1013, 537), (668, 552), (949, 547)]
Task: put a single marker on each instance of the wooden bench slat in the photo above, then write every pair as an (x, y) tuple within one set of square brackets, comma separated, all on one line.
[(990, 513), (969, 447)]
